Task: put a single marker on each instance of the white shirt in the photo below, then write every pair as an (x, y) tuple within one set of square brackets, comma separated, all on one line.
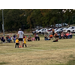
[(20, 34)]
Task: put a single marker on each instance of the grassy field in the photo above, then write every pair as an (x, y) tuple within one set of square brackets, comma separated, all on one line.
[(39, 53)]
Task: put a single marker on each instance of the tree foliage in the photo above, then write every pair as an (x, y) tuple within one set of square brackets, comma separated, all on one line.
[(30, 18)]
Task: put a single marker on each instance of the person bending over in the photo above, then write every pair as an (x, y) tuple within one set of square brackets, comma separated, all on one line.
[(17, 43)]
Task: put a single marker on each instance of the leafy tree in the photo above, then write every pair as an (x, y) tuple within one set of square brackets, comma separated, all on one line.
[(30, 18), (15, 19)]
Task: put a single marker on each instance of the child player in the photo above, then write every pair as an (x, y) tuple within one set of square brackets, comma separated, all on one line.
[(24, 42), (17, 43)]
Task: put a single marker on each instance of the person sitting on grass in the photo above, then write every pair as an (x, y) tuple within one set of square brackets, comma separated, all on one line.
[(14, 38), (9, 39), (29, 38), (33, 39), (70, 35), (67, 35), (17, 43), (51, 36), (37, 37), (24, 42), (3, 39), (46, 38), (62, 35)]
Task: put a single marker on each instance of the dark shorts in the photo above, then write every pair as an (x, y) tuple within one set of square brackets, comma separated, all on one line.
[(17, 43), (20, 39)]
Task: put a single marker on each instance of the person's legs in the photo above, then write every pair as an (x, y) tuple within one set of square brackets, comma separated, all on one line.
[(3, 40), (25, 45), (17, 45), (68, 36), (36, 38), (21, 43), (8, 40), (71, 36)]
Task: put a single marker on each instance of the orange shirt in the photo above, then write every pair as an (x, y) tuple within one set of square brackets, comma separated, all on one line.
[(51, 35)]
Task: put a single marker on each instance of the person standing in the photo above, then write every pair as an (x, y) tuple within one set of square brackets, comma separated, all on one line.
[(20, 37), (53, 32), (24, 41)]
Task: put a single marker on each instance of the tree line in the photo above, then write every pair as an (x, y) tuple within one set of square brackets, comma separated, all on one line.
[(30, 18)]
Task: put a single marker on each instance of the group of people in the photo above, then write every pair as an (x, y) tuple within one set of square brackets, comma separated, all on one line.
[(8, 39), (35, 38), (65, 35), (20, 40), (60, 35)]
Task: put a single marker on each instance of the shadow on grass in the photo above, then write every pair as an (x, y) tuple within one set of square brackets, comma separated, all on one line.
[(3, 63), (72, 61)]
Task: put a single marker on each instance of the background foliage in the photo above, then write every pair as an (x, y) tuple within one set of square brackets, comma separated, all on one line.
[(30, 18)]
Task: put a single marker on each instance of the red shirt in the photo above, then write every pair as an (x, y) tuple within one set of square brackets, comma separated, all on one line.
[(67, 34)]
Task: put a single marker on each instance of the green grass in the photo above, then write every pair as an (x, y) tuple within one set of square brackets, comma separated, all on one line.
[(3, 63), (39, 53)]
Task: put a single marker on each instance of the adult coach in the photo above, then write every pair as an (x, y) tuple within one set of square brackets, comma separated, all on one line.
[(20, 37)]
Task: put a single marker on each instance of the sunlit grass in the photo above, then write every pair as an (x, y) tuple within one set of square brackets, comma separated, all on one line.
[(39, 53)]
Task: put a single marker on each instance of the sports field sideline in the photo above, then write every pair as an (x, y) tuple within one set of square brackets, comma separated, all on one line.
[(39, 53)]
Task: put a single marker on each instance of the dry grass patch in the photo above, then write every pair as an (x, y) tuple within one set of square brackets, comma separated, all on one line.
[(38, 53)]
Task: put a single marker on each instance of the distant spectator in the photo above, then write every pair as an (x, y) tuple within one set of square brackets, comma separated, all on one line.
[(9, 39), (67, 35), (70, 35), (3, 39), (59, 34), (62, 35), (37, 37), (46, 38), (51, 36), (33, 39), (29, 38), (14, 38)]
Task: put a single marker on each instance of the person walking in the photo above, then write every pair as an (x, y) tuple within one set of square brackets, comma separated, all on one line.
[(20, 37)]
